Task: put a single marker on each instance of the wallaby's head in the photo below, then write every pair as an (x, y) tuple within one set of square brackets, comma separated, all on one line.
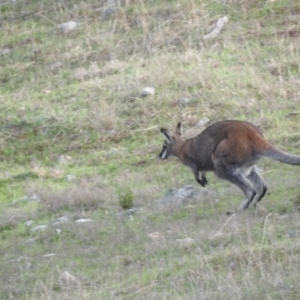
[(173, 142)]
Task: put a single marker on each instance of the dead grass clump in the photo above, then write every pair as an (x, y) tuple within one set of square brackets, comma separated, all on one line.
[(12, 217), (104, 116), (84, 196)]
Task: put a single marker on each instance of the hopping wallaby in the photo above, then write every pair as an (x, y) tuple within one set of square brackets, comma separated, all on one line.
[(230, 149)]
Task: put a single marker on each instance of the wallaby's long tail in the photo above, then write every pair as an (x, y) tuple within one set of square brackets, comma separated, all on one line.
[(284, 157)]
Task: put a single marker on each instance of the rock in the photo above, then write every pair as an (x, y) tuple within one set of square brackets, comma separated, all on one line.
[(33, 198), (67, 26), (111, 6), (155, 236), (39, 228), (292, 234), (28, 223), (148, 91), (57, 65), (108, 11), (202, 122), (5, 51), (49, 255), (70, 177), (184, 195), (63, 219), (112, 132), (184, 101), (64, 159), (84, 220), (68, 280), (219, 25), (186, 242)]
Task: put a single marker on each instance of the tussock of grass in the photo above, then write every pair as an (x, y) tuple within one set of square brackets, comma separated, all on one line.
[(85, 195)]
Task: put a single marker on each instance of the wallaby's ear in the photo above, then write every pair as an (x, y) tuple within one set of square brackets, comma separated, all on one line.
[(167, 135), (179, 129)]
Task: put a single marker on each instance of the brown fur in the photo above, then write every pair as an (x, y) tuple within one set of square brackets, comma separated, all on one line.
[(230, 149)]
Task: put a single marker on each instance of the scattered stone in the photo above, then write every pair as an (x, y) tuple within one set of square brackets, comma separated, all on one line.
[(33, 198), (132, 211), (57, 65), (112, 132), (67, 26), (61, 220), (64, 159), (28, 223), (5, 51), (49, 255), (67, 280), (203, 122), (81, 74), (39, 228), (184, 101), (186, 242), (113, 152), (70, 177), (84, 74), (183, 195), (84, 220), (111, 6), (148, 91), (155, 236), (108, 11), (283, 217), (219, 25), (292, 234), (58, 231)]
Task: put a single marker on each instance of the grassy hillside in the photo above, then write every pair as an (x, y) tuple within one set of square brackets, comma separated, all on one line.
[(78, 140)]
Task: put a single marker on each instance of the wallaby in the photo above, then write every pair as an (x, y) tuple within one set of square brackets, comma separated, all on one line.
[(230, 149)]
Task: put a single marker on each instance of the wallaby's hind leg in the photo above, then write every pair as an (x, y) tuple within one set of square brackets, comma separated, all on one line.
[(236, 176), (258, 184)]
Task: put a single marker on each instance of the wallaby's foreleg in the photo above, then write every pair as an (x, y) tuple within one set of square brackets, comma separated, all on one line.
[(203, 181)]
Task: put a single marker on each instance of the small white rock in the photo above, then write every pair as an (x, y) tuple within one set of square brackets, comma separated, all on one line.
[(155, 236), (64, 159), (84, 220), (34, 197), (57, 65), (186, 242), (184, 101), (148, 91), (202, 122), (49, 255), (67, 26), (29, 223), (70, 177), (5, 51), (39, 228), (68, 280), (63, 219), (219, 25)]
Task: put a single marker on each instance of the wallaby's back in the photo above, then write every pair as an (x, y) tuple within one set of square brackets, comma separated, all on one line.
[(235, 141)]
